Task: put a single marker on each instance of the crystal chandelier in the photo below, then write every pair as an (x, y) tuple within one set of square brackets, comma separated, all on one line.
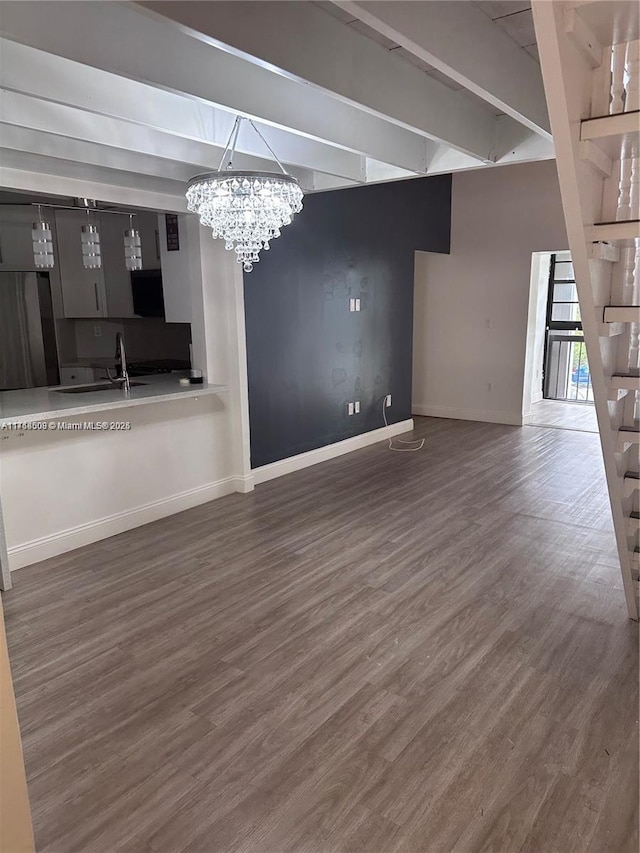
[(246, 209)]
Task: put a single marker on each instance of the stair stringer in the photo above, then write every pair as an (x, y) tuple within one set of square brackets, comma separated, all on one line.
[(568, 80)]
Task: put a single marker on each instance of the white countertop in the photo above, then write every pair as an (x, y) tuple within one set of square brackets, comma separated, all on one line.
[(43, 404)]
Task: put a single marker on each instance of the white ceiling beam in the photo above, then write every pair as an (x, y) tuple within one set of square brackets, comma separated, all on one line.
[(462, 42), (44, 183), (12, 159), (126, 41), (515, 143), (47, 144), (57, 130), (55, 80), (51, 145), (308, 45)]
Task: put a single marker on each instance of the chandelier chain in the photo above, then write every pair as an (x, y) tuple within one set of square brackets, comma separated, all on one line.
[(234, 130), (271, 151)]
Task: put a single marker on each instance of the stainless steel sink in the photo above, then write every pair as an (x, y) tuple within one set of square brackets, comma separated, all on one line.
[(102, 386)]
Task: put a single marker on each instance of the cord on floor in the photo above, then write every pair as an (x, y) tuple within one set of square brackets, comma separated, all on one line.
[(416, 441)]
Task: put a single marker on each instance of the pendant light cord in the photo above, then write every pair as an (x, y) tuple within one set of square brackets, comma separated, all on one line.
[(233, 141)]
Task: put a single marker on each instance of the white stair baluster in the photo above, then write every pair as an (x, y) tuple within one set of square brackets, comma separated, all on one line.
[(616, 104), (629, 258), (601, 85), (632, 76), (634, 205), (634, 189), (634, 347), (623, 210)]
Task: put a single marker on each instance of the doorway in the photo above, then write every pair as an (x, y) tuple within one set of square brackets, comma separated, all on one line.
[(558, 391), (565, 372)]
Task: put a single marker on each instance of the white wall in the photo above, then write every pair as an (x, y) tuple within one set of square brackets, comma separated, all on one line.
[(536, 328), (471, 307), (62, 490)]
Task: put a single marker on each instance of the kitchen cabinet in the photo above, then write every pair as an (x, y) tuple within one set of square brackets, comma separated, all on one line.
[(147, 225), (117, 278), (16, 246), (83, 291)]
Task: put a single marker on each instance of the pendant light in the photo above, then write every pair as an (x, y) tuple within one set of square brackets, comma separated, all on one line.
[(91, 254), (132, 247), (246, 209), (42, 243)]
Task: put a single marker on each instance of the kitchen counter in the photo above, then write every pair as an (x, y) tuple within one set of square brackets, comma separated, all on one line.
[(45, 404)]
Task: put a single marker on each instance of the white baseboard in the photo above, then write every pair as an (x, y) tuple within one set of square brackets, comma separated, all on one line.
[(93, 531), (102, 528), (243, 484), (330, 451), (483, 415)]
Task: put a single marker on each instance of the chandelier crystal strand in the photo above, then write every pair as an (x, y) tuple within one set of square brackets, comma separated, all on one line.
[(42, 239), (246, 209)]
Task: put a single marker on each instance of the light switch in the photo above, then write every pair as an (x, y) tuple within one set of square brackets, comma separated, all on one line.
[(357, 407)]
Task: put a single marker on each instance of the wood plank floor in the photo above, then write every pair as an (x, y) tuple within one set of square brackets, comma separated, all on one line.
[(387, 653), (556, 413)]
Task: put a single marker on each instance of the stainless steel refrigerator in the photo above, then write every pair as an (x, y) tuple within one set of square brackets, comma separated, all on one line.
[(28, 355)]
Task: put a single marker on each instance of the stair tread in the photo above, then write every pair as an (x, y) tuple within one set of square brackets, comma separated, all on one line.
[(622, 232), (635, 514), (632, 475), (621, 313), (617, 222), (625, 381), (610, 116), (629, 429)]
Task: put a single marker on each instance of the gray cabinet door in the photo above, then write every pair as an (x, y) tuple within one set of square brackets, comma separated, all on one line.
[(117, 278), (83, 291)]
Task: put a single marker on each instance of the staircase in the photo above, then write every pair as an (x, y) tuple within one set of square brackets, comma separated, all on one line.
[(593, 93)]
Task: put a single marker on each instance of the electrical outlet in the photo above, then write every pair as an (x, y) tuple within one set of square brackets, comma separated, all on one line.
[(350, 408), (352, 304), (357, 407), (357, 305), (387, 401), (97, 331)]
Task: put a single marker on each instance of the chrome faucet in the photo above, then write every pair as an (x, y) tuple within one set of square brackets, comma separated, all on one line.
[(122, 374)]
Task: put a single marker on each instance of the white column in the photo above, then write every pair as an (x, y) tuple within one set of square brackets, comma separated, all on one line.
[(219, 339)]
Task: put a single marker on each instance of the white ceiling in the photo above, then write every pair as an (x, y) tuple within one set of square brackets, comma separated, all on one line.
[(125, 101), (512, 16), (516, 19)]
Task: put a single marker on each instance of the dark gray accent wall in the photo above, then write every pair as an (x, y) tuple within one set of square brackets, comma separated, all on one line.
[(308, 355)]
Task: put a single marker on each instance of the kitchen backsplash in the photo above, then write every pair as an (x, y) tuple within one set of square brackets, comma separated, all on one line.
[(145, 339)]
